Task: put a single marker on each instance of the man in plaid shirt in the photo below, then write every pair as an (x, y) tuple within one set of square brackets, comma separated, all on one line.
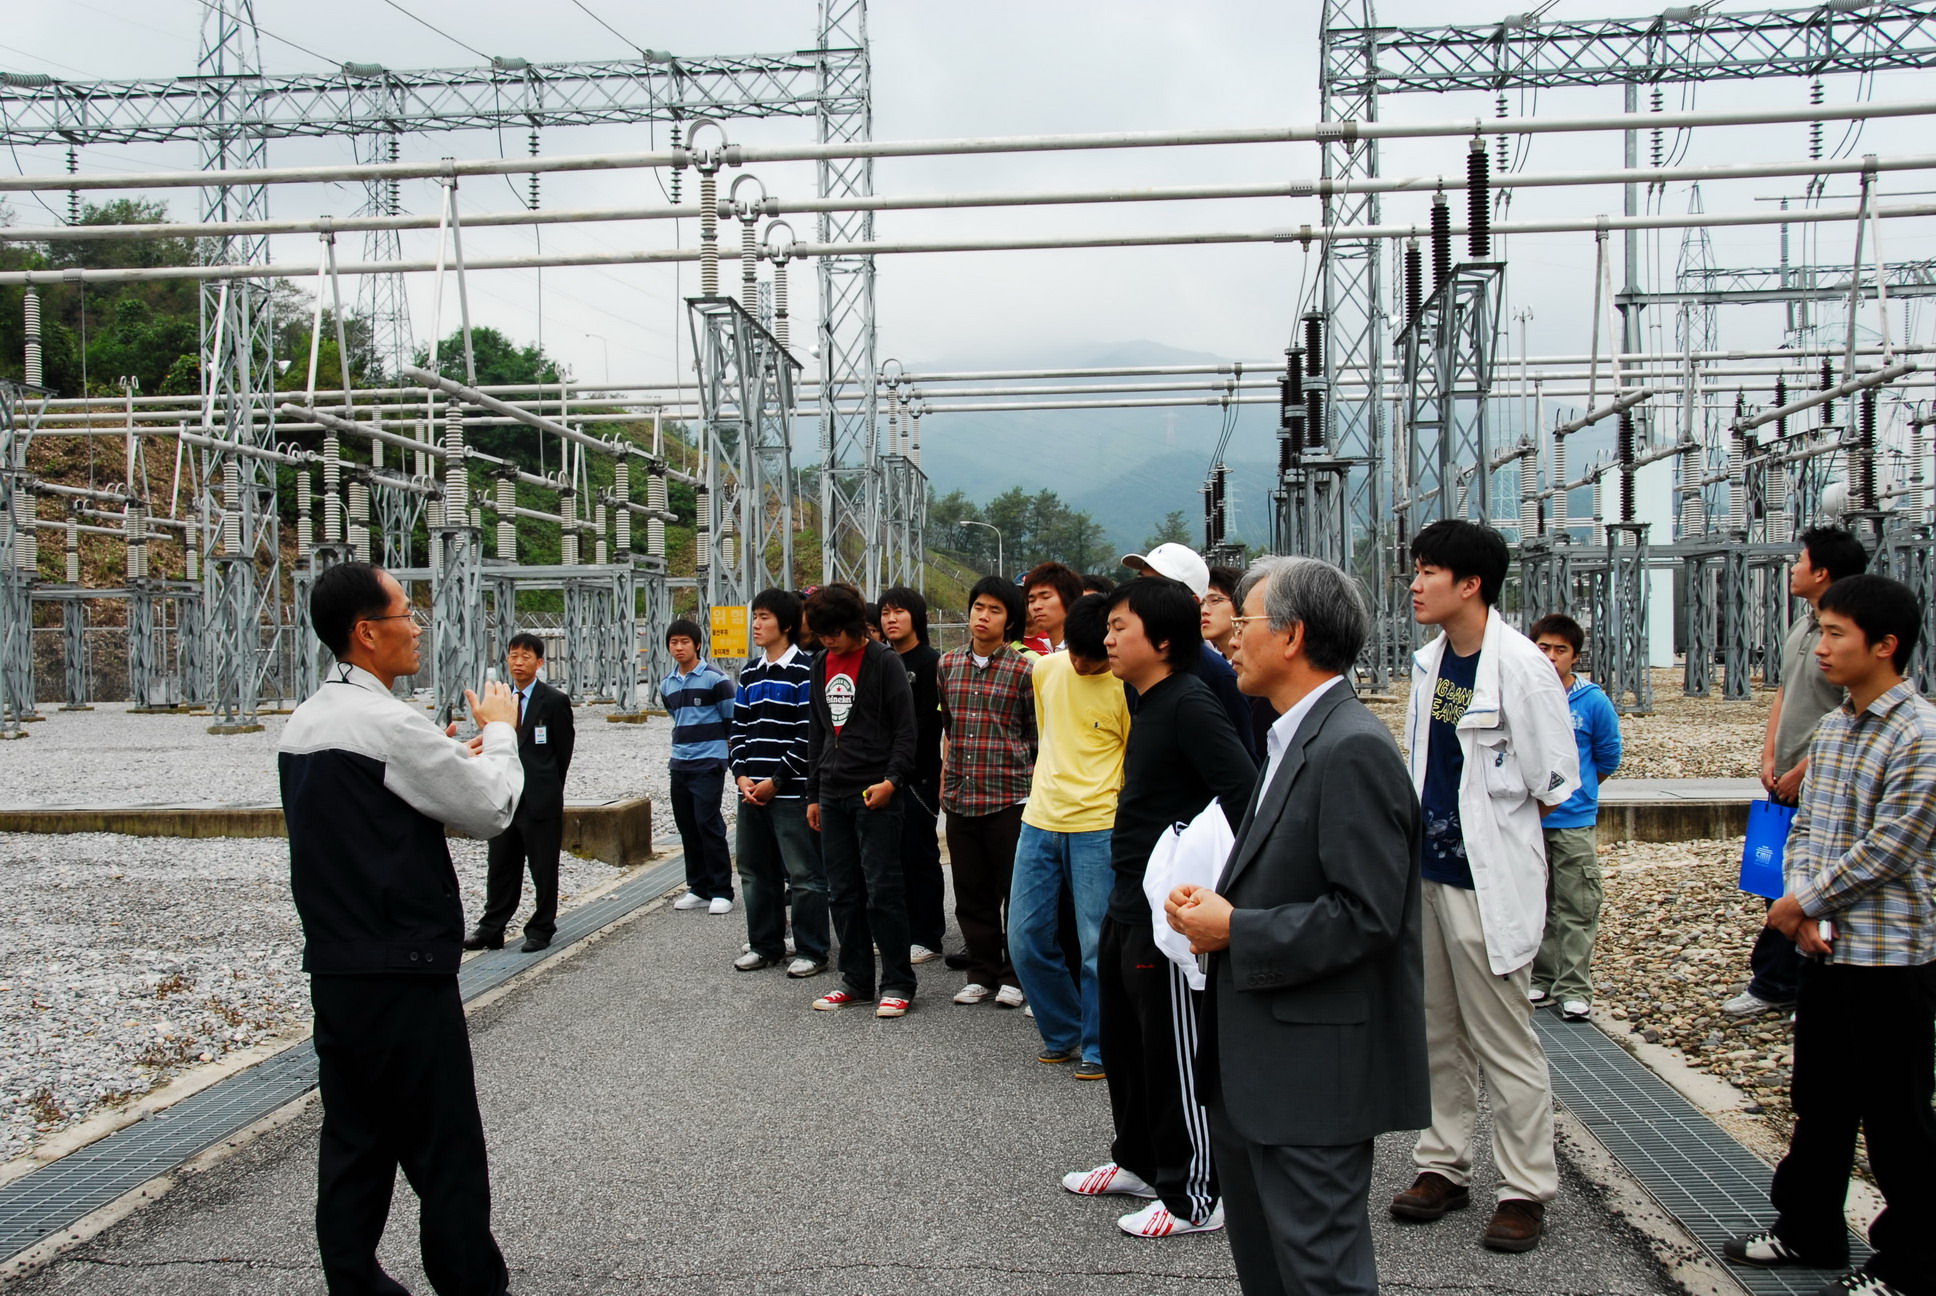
[(988, 713), (1859, 907)]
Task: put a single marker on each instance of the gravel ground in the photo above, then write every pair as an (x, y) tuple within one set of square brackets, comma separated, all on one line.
[(127, 960), (1684, 737), (1674, 939), (107, 756)]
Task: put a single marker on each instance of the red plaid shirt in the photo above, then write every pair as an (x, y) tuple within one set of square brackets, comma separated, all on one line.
[(989, 714)]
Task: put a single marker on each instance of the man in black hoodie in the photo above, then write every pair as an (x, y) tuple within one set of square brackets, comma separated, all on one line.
[(861, 753)]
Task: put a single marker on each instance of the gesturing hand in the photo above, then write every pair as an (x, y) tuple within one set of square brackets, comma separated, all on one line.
[(499, 703)]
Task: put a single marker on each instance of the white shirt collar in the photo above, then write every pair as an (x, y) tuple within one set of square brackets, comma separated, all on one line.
[(1284, 729)]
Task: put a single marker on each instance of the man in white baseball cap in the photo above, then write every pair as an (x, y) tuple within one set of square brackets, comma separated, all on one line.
[(1178, 562), (1181, 564)]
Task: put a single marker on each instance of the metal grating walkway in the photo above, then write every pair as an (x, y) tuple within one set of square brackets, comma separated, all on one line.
[(1716, 1188), (42, 1203)]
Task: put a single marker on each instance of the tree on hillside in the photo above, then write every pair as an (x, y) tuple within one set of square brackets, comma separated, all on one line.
[(1172, 530), (1034, 528)]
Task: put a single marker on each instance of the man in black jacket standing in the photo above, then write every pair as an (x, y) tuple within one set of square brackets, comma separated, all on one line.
[(368, 783), (1314, 1026), (860, 755), (537, 831), (1182, 753)]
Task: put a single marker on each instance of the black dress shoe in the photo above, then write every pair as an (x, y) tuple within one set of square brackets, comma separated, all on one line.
[(532, 944), (956, 961), (478, 940)]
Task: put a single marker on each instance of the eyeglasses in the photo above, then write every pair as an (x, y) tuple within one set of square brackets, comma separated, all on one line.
[(1241, 621), (415, 614), (1215, 597)]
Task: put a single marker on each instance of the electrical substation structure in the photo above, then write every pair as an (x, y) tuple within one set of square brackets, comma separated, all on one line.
[(237, 633), (1395, 401)]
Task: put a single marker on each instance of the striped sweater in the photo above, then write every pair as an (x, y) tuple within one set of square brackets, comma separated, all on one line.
[(769, 738), (701, 707)]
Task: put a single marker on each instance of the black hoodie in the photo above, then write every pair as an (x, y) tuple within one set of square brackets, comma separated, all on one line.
[(876, 743)]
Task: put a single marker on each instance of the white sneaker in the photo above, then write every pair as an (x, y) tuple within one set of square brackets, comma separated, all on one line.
[(1029, 1011), (1750, 1004), (1155, 1221), (1538, 997), (1106, 1178), (972, 993), (751, 962), (1010, 997), (720, 905), (922, 954), (1575, 1010), (805, 967), (690, 900)]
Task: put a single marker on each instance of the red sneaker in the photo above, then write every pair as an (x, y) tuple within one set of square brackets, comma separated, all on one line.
[(839, 999)]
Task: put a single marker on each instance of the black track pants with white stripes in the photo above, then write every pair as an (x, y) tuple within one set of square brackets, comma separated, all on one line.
[(1149, 1046)]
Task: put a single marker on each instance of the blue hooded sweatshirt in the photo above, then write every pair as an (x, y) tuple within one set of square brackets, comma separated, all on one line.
[(1596, 729)]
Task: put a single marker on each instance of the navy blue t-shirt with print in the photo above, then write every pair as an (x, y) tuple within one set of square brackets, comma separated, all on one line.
[(1444, 859)]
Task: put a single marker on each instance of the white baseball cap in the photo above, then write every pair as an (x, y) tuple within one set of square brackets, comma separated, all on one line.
[(1178, 562)]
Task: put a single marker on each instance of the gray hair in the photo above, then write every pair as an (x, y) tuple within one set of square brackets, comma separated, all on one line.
[(1327, 602)]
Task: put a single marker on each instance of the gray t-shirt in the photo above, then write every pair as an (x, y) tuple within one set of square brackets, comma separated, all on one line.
[(1806, 695)]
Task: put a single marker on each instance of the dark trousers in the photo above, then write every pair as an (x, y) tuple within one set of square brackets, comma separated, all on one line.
[(1149, 1045), (1296, 1216), (702, 831), (981, 851), (394, 1060), (862, 848), (538, 843), (1864, 1048), (1774, 966), (921, 863), (778, 857)]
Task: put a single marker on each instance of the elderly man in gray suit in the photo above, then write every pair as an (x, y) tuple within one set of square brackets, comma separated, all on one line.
[(1314, 1030)]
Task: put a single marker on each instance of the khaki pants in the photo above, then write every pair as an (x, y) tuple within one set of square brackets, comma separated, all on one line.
[(1573, 895), (1474, 1019)]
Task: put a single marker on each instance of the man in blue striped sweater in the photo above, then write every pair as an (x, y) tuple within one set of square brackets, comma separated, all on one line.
[(767, 754), (699, 698)]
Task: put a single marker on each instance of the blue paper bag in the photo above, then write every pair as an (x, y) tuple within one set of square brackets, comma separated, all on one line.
[(1761, 857)]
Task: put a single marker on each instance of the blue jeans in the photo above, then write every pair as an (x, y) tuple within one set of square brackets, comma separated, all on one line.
[(777, 848), (1046, 863), (866, 894)]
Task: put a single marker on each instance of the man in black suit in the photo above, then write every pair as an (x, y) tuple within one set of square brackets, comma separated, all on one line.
[(538, 829), (1314, 1030)]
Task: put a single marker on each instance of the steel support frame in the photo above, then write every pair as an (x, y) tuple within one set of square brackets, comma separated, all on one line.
[(16, 581), (1620, 621), (851, 515), (746, 395), (1448, 360)]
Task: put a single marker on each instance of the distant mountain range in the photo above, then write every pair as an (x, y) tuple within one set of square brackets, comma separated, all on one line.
[(1127, 468)]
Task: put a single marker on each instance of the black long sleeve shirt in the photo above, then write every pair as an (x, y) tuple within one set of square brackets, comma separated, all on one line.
[(1183, 751)]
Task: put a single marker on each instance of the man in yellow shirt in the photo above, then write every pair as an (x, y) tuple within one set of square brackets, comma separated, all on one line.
[(1082, 723)]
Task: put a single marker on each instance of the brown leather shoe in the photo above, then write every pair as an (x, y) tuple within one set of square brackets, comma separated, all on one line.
[(1429, 1197), (1516, 1225)]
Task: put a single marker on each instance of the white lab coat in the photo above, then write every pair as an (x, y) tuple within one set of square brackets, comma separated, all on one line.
[(1517, 737)]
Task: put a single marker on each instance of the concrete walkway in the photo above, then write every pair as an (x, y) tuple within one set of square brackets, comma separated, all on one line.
[(662, 1124)]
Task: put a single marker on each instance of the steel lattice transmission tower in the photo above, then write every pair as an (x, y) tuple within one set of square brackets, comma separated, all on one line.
[(850, 470), (241, 585)]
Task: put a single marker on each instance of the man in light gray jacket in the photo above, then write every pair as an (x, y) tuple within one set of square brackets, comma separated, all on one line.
[(1314, 1028)]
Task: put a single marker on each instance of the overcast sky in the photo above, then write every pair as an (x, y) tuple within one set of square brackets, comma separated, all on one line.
[(995, 67)]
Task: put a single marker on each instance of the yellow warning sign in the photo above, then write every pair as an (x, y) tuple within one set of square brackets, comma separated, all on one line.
[(729, 637)]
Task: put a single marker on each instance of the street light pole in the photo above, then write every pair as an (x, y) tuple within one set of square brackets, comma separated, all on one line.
[(1001, 563), (608, 354)]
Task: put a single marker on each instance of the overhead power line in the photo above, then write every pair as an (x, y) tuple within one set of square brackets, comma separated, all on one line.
[(439, 30), (608, 27)]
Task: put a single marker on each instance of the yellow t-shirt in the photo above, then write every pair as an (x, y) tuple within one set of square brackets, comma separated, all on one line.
[(1082, 724)]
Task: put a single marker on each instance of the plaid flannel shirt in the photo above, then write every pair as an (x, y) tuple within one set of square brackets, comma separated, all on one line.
[(989, 715), (1860, 849)]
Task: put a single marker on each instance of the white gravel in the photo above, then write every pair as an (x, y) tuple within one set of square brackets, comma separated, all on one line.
[(109, 757), (126, 960)]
